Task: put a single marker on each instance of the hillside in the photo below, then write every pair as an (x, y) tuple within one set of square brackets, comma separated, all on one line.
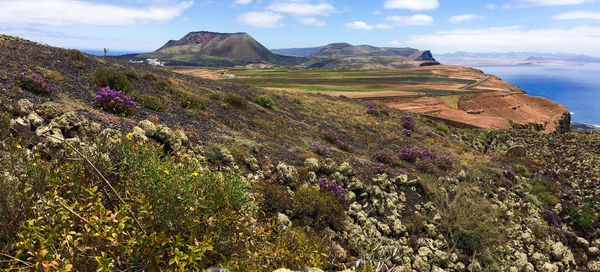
[(203, 174)]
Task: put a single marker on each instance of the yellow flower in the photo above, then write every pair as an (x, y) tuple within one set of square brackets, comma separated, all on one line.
[(34, 164), (166, 171), (185, 155), (36, 154), (19, 146), (195, 174)]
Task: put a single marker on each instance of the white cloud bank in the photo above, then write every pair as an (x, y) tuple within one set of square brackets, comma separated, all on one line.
[(312, 21), (574, 15), (581, 39), (76, 12), (302, 8), (264, 19), (242, 2), (558, 2), (464, 18), (394, 21), (411, 4)]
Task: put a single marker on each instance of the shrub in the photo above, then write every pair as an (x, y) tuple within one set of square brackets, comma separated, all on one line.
[(385, 156), (236, 100), (75, 54), (375, 110), (541, 190), (149, 101), (188, 100), (320, 149), (329, 136), (318, 205), (468, 220), (521, 170), (297, 101), (276, 197), (265, 101), (149, 76), (408, 123), (343, 146), (113, 101), (34, 83), (4, 125), (113, 78), (582, 218), (337, 191), (444, 130), (131, 74)]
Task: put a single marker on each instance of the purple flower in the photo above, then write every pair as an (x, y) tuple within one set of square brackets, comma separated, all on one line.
[(330, 136), (375, 110), (551, 218), (414, 241), (33, 83), (256, 148), (337, 191), (114, 101), (406, 132), (320, 149)]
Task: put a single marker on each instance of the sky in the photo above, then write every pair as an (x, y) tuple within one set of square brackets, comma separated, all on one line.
[(443, 26)]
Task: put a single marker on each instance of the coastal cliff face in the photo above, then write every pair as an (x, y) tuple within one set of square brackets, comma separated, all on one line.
[(520, 110)]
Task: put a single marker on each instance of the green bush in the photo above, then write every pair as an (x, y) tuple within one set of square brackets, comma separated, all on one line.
[(149, 76), (297, 101), (75, 55), (582, 218), (4, 125), (265, 101), (149, 101), (114, 79), (321, 206), (188, 100), (543, 191), (522, 170), (444, 130), (236, 100), (131, 74)]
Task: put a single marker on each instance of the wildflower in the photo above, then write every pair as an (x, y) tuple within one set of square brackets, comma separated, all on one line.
[(166, 171), (195, 174), (19, 146), (114, 101), (37, 154), (336, 190)]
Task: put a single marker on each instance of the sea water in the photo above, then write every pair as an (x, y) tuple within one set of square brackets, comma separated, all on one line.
[(577, 87)]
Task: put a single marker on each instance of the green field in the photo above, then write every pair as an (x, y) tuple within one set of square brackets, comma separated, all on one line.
[(347, 81)]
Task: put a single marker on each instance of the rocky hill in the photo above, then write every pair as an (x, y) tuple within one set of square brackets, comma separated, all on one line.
[(230, 49), (216, 49), (200, 175)]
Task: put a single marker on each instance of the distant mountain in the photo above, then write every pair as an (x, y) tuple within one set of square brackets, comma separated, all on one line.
[(217, 49), (297, 52), (205, 48), (514, 59)]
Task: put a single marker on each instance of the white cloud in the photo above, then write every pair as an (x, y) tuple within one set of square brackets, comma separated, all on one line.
[(491, 6), (557, 2), (464, 18), (394, 42), (581, 39), (76, 12), (366, 26), (312, 21), (590, 15), (264, 19), (414, 20), (242, 2), (302, 7), (412, 4), (377, 12), (359, 25)]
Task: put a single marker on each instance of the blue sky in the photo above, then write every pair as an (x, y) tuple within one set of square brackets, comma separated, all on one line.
[(571, 26)]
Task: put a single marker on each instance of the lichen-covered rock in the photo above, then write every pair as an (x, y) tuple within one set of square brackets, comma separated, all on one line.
[(593, 252), (24, 107), (252, 163), (283, 221), (474, 267), (558, 251), (548, 267), (163, 133), (329, 166), (346, 169), (180, 137), (583, 242), (338, 178), (287, 173), (68, 122), (112, 136), (425, 252), (283, 270), (420, 265), (138, 134), (35, 120), (148, 127), (355, 184), (594, 266), (312, 164)]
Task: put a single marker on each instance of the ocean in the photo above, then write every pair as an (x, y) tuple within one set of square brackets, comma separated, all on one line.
[(577, 87), (109, 53)]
